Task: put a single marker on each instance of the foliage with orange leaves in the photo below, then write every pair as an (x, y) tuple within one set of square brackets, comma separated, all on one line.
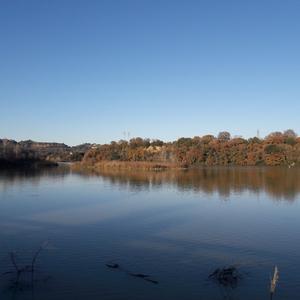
[(276, 149)]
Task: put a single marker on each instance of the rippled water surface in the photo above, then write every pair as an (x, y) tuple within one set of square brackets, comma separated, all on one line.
[(177, 226)]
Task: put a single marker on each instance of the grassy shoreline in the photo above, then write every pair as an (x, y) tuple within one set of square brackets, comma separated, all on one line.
[(126, 165), (149, 166)]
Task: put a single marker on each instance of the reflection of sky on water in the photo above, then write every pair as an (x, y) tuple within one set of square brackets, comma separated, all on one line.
[(168, 223)]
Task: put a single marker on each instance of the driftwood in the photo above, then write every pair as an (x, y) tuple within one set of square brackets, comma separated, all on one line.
[(139, 275), (145, 277), (113, 266)]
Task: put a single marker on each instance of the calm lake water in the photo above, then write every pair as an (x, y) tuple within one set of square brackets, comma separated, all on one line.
[(177, 226)]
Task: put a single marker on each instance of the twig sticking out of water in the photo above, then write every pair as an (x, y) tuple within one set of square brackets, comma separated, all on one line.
[(19, 270), (274, 281), (36, 254)]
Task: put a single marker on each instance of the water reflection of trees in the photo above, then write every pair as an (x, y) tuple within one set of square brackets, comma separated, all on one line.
[(279, 183), (34, 175)]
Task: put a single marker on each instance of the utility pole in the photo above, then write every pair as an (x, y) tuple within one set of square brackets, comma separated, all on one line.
[(257, 134)]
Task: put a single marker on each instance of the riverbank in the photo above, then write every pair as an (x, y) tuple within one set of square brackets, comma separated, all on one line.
[(155, 166), (126, 165)]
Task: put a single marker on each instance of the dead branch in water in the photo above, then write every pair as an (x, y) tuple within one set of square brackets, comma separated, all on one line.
[(28, 268), (274, 281), (145, 277)]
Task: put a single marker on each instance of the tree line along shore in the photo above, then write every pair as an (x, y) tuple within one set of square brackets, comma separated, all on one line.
[(29, 153), (277, 148)]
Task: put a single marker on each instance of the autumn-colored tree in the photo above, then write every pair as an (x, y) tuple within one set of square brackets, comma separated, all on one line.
[(276, 149)]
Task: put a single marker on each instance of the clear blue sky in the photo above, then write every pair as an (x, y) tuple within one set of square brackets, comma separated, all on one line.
[(86, 71)]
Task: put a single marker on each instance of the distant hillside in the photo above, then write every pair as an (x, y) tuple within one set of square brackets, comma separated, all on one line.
[(278, 148), (29, 152)]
